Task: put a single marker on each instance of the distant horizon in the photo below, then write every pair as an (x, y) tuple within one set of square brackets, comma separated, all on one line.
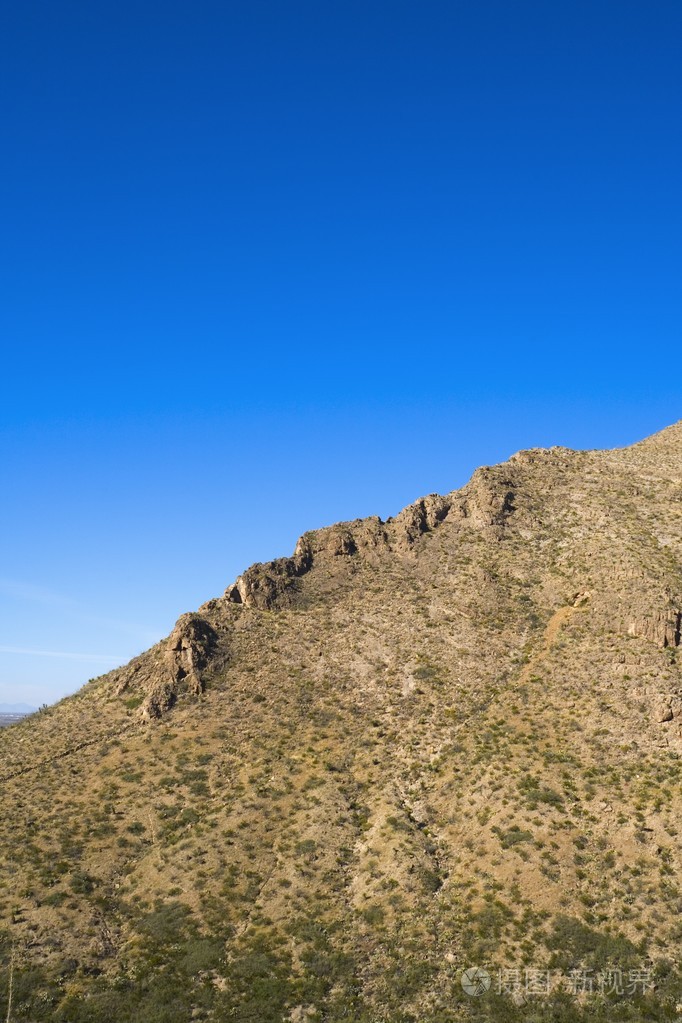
[(17, 708)]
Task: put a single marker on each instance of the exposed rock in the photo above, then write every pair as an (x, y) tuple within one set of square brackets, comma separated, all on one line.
[(188, 648), (420, 517), (556, 456), (662, 628), (488, 498), (303, 555), (486, 502), (661, 708), (273, 584), (265, 586), (158, 701), (340, 541), (186, 653)]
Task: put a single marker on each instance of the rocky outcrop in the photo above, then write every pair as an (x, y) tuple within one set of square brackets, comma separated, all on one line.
[(161, 698), (272, 583), (662, 628), (665, 707), (419, 518), (341, 542), (557, 456), (488, 499), (275, 583), (661, 709), (187, 651), (265, 586), (486, 502)]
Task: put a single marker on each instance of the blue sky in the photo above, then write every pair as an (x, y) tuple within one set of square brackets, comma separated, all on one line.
[(266, 266)]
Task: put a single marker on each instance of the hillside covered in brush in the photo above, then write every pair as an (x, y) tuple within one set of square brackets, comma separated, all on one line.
[(450, 739)]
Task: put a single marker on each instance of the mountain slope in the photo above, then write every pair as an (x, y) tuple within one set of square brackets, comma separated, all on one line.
[(447, 740)]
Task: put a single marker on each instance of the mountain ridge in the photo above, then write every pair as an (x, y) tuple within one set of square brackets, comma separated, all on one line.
[(450, 739)]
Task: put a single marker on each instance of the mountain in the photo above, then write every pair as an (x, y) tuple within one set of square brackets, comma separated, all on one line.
[(443, 742), (16, 708)]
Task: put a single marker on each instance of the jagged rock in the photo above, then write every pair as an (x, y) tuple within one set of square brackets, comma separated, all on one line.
[(158, 701), (359, 536), (662, 708), (264, 586), (485, 502), (340, 541), (488, 499), (556, 456), (662, 628), (420, 517), (122, 685), (274, 584), (186, 653), (303, 555), (188, 648)]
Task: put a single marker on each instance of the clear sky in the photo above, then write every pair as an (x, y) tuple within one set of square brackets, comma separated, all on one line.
[(270, 265)]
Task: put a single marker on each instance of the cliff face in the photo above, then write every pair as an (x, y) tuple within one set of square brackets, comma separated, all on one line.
[(447, 739)]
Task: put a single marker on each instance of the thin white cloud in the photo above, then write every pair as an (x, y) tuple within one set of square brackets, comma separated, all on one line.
[(37, 594), (16, 589), (68, 655)]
